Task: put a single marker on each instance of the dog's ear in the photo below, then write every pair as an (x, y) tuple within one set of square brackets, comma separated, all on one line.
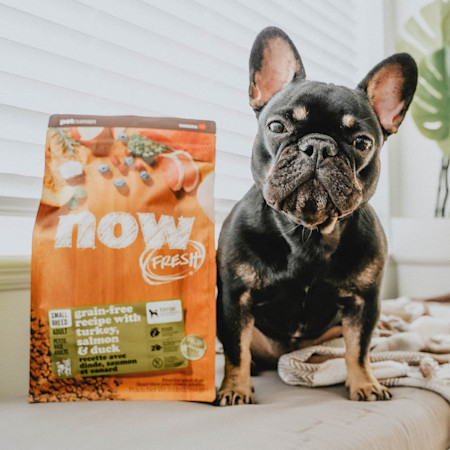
[(390, 87), (274, 63)]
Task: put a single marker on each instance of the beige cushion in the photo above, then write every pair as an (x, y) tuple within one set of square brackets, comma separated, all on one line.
[(286, 417)]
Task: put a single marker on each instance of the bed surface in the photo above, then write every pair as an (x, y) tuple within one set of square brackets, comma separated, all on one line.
[(286, 417)]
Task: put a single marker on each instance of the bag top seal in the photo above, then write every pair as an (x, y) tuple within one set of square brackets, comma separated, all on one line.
[(67, 120)]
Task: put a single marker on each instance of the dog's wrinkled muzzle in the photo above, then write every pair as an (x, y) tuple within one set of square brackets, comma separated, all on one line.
[(318, 147), (312, 182)]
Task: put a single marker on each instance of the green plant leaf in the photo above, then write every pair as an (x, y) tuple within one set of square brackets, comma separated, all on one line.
[(431, 106), (427, 39), (434, 15)]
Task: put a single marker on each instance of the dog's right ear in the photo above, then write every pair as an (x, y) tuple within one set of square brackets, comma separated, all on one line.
[(274, 63)]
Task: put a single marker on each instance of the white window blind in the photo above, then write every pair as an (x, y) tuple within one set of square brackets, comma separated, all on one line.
[(185, 58)]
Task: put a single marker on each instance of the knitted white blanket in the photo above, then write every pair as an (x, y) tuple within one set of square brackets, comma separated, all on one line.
[(411, 347)]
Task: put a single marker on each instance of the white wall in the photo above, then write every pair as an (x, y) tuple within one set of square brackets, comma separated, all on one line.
[(414, 161), (14, 342), (419, 248)]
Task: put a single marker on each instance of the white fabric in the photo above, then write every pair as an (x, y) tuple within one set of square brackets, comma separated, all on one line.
[(402, 354)]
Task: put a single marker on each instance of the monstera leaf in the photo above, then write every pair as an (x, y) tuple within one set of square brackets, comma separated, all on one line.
[(427, 39)]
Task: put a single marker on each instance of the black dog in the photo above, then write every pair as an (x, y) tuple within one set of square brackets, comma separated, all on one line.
[(301, 256)]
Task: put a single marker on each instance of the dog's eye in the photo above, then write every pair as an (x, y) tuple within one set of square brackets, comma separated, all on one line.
[(276, 127), (363, 143)]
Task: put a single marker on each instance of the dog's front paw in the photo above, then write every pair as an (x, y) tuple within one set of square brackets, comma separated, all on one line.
[(368, 391), (228, 397)]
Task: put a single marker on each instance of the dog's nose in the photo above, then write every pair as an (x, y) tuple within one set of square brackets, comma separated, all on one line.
[(318, 146)]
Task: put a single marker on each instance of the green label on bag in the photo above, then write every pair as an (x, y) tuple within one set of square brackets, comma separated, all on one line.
[(117, 339)]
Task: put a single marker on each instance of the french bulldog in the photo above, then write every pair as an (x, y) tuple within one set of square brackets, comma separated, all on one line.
[(301, 256)]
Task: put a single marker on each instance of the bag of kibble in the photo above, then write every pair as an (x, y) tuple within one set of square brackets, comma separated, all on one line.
[(123, 265)]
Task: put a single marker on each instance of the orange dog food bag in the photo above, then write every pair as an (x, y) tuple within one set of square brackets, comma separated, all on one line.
[(123, 261)]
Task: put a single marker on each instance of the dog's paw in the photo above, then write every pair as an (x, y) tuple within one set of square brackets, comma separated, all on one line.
[(369, 392), (234, 397)]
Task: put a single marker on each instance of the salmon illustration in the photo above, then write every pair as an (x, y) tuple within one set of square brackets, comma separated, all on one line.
[(172, 169), (191, 172)]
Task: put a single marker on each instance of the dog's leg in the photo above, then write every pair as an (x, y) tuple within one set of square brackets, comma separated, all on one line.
[(357, 325), (237, 386)]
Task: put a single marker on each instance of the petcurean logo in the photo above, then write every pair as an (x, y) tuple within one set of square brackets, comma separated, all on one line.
[(65, 122), (169, 254)]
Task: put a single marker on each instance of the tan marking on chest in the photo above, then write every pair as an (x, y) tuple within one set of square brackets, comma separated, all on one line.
[(249, 276), (244, 299)]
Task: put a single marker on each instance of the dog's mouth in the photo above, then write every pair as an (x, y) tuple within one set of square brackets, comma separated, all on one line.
[(312, 196), (309, 205)]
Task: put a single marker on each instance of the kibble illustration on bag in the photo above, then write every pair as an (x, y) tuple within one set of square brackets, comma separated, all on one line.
[(123, 261)]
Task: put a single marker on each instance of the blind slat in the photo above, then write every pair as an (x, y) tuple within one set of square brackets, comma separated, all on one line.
[(31, 162), (209, 16), (20, 186), (23, 125)]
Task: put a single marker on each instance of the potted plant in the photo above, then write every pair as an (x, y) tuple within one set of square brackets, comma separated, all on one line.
[(421, 247)]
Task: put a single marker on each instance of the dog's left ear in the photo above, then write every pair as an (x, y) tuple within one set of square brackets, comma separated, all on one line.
[(274, 63), (390, 87)]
